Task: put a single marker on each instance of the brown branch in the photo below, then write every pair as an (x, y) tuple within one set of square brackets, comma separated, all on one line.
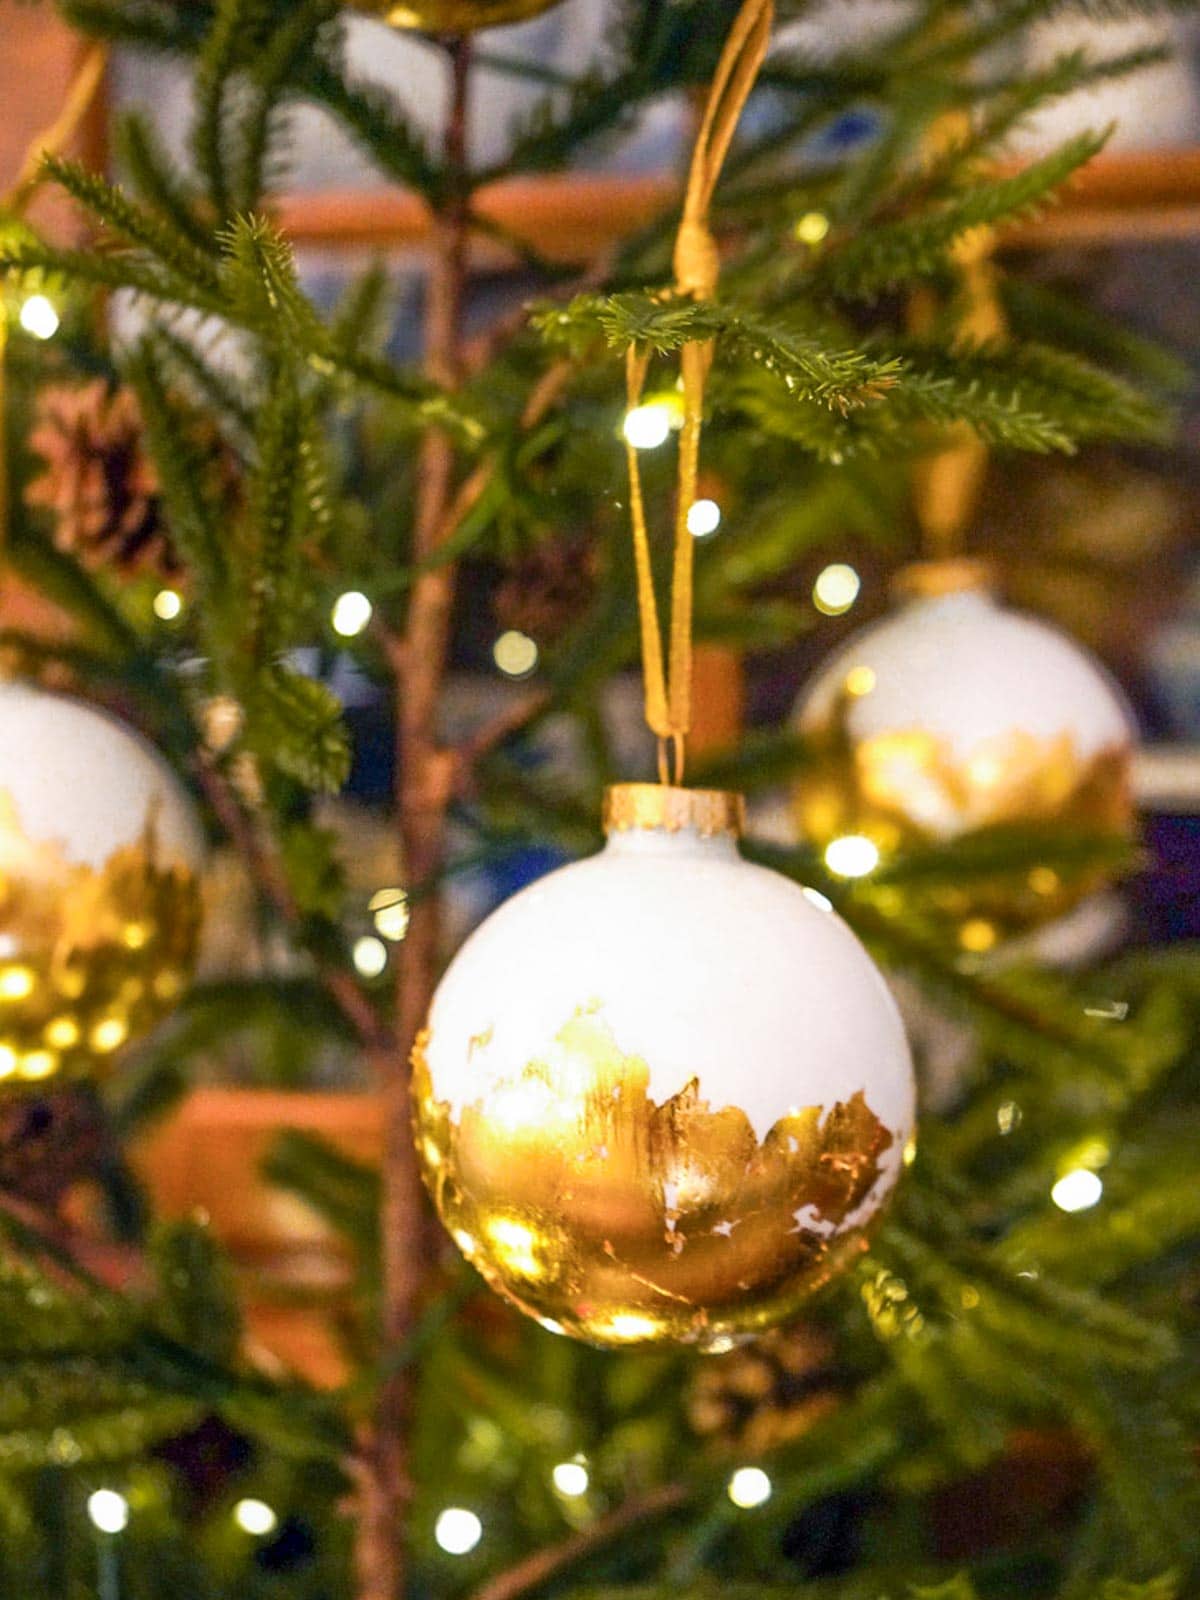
[(424, 781), (538, 1568)]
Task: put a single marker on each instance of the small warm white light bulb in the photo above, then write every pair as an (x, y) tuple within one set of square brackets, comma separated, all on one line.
[(38, 317), (457, 1531), (515, 654), (836, 589), (108, 1511), (369, 955), (351, 613), (571, 1478), (852, 856), (749, 1487), (703, 518), (255, 1517), (389, 907), (647, 426), (812, 227), (1077, 1191), (168, 603)]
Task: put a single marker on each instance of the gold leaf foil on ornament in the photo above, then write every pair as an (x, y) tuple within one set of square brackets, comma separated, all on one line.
[(89, 957), (623, 1221), (909, 789)]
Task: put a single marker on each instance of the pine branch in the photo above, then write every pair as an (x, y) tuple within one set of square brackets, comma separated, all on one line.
[(272, 77), (162, 188), (893, 255), (145, 230), (184, 472)]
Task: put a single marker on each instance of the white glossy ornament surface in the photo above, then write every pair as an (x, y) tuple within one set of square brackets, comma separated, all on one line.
[(968, 673), (703, 964), (80, 778)]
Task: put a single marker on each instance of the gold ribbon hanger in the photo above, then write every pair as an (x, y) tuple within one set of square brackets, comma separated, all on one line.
[(697, 267)]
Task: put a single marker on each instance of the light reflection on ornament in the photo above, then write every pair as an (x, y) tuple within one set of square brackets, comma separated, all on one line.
[(749, 1487), (99, 899), (816, 898), (16, 983), (1077, 1191), (860, 681), (852, 856), (1008, 1117), (836, 589)]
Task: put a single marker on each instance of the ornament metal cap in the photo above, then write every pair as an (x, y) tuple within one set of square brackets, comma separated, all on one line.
[(927, 580), (631, 807)]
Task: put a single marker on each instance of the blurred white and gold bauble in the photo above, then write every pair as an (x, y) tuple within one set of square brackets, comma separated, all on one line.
[(662, 1094), (452, 16), (100, 854), (955, 716)]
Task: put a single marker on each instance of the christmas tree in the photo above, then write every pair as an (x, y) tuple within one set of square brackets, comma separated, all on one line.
[(226, 486)]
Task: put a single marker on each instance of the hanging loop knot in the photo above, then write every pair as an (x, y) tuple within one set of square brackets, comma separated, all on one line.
[(697, 261)]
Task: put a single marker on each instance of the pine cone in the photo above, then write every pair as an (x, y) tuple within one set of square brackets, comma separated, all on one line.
[(99, 483), (763, 1394), (546, 592)]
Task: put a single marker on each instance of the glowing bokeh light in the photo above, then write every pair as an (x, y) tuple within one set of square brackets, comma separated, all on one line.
[(647, 426), (515, 654), (351, 613), (749, 1487), (703, 518), (38, 317), (836, 589), (852, 855), (812, 227), (370, 956), (389, 908), (255, 1517), (571, 1478), (108, 1511), (1077, 1191), (168, 603), (457, 1530)]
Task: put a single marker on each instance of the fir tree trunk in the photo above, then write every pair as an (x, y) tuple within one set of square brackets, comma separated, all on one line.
[(423, 786)]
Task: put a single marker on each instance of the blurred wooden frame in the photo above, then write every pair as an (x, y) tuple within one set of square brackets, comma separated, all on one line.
[(1126, 197)]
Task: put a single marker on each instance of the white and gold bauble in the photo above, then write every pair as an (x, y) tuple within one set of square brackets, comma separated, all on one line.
[(957, 715), (663, 1093), (100, 853), (452, 16)]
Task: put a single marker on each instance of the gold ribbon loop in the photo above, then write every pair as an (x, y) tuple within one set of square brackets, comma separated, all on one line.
[(697, 266)]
